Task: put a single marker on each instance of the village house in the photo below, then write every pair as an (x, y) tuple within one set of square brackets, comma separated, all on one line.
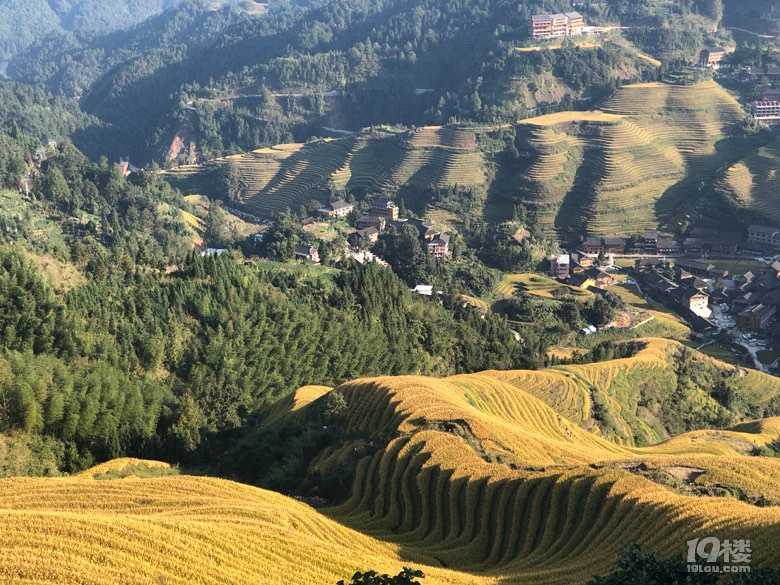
[(755, 318), (761, 234), (307, 253), (581, 261), (559, 266), (601, 278), (766, 111), (439, 247), (651, 244), (650, 241), (667, 247), (712, 57), (693, 299), (693, 245), (647, 264), (699, 268), (592, 246), (770, 95), (746, 299), (742, 279), (768, 75), (614, 245), (423, 289), (659, 283), (125, 167), (369, 234), (338, 208), (548, 26), (213, 252), (707, 239), (688, 279), (773, 269), (694, 302), (581, 280), (384, 208), (368, 221)]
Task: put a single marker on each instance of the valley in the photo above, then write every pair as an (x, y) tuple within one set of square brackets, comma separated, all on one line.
[(323, 292)]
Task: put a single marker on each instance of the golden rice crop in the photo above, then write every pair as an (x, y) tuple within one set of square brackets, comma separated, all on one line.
[(478, 473)]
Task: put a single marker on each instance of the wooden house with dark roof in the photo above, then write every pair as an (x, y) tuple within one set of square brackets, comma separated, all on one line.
[(366, 235), (755, 318), (307, 253)]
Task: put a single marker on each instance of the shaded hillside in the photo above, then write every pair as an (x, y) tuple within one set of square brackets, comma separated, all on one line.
[(753, 184), (632, 165), (636, 163), (469, 478), (289, 175), (25, 22), (230, 81)]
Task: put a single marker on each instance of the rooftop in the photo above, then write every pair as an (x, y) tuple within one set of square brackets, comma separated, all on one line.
[(369, 231), (340, 204), (383, 204), (762, 229), (760, 311), (302, 250), (578, 279)]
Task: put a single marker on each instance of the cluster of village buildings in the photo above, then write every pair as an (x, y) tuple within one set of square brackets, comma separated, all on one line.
[(767, 108), (382, 215), (692, 287), (752, 298), (758, 239)]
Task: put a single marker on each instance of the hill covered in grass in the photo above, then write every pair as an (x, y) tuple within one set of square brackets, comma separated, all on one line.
[(637, 162), (632, 164), (289, 175), (752, 184), (473, 478)]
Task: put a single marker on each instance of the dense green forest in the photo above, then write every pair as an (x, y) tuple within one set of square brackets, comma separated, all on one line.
[(24, 22), (161, 347), (137, 363)]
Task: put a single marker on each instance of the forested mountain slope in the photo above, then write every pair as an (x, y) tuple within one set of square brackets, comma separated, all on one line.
[(24, 22), (229, 81)]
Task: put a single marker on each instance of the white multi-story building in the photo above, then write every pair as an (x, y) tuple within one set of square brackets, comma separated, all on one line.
[(766, 111), (547, 26)]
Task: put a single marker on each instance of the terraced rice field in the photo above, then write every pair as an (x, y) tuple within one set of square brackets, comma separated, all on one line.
[(535, 284), (285, 176), (617, 171), (513, 488), (181, 530), (754, 182), (494, 476)]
